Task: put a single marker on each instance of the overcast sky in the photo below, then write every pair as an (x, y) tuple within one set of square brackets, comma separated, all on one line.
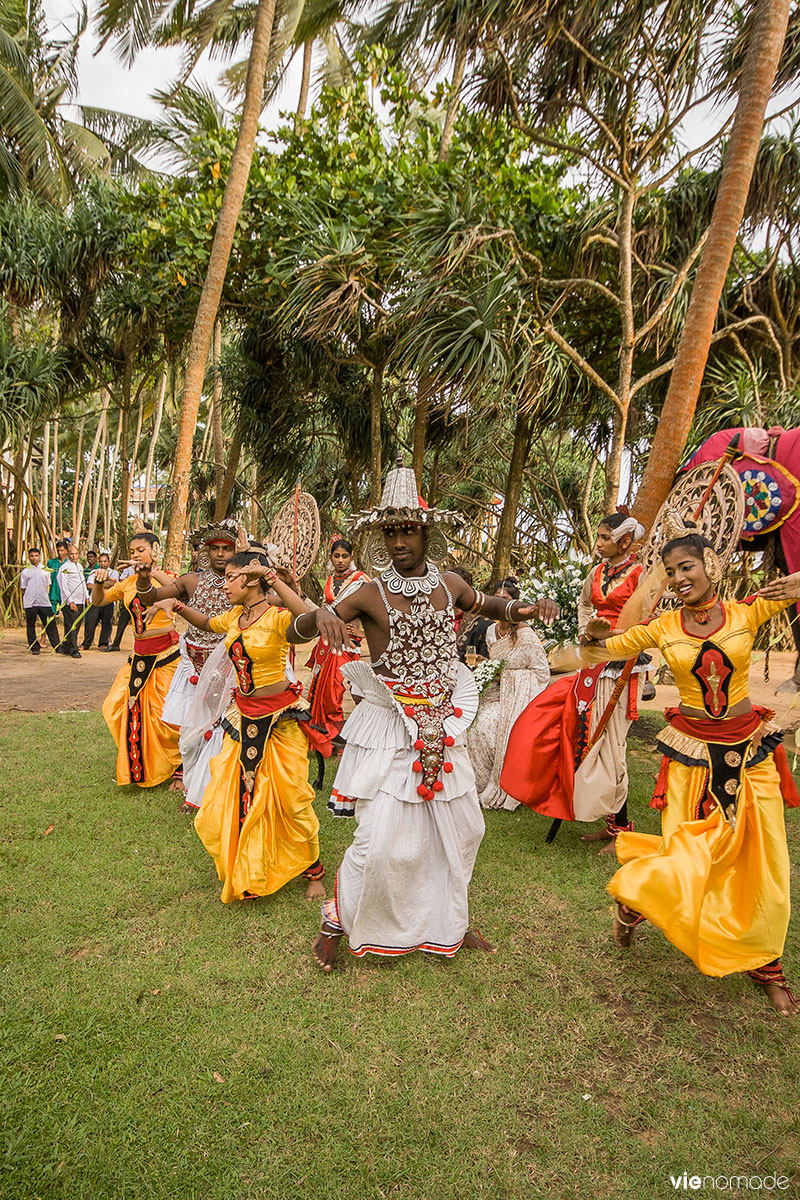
[(106, 83)]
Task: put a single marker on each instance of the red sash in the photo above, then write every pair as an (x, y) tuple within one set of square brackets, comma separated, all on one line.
[(736, 729), (147, 647), (262, 706)]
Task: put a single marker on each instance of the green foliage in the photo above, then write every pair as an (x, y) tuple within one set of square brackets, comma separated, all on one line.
[(138, 1011)]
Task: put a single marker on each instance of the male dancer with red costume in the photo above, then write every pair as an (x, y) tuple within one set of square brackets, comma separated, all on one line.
[(553, 764)]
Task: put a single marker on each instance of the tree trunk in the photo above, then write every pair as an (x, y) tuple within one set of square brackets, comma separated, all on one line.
[(215, 276), (501, 566), (223, 499), (151, 450), (98, 489), (453, 101), (90, 468), (135, 458), (305, 84), (55, 490), (424, 390), (216, 415), (19, 484), (124, 481), (45, 467), (253, 497), (112, 471), (625, 373), (78, 470), (375, 434), (758, 75)]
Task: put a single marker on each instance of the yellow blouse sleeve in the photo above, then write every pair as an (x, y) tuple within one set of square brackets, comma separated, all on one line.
[(222, 623), (758, 611), (624, 645), (115, 592), (282, 621)]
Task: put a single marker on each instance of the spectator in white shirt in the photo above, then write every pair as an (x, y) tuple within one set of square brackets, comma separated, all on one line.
[(74, 596), (104, 616), (35, 584)]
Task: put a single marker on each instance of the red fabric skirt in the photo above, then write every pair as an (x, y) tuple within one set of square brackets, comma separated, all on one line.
[(539, 766), (326, 691)]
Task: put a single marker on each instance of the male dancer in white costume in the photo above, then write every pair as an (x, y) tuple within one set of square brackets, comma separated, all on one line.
[(405, 772)]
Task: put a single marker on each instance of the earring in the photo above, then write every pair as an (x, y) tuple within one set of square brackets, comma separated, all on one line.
[(712, 565)]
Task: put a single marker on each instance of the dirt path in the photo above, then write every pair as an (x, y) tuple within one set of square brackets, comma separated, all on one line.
[(52, 683)]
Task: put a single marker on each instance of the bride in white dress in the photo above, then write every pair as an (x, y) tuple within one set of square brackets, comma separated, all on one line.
[(525, 673)]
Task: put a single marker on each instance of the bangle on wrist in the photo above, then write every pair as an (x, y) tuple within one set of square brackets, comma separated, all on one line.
[(178, 606), (507, 616)]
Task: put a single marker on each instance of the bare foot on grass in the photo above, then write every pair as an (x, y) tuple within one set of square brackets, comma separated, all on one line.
[(473, 940), (599, 835), (315, 890), (325, 947), (782, 1000)]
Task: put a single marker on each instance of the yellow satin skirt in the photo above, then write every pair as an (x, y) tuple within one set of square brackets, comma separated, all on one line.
[(719, 895), (279, 837), (158, 754)]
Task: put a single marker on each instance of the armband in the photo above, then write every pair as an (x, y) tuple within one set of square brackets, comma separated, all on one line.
[(479, 600)]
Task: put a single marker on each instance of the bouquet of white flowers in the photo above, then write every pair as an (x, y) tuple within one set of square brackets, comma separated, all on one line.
[(563, 584), (486, 672)]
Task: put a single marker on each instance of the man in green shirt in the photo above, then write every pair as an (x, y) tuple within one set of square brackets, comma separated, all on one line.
[(53, 565)]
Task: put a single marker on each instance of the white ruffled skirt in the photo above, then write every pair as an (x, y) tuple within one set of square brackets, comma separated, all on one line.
[(403, 882)]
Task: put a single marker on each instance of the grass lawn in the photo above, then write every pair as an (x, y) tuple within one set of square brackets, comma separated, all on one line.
[(159, 1044)]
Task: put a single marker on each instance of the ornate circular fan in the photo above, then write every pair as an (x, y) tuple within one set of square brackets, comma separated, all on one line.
[(295, 531), (720, 521)]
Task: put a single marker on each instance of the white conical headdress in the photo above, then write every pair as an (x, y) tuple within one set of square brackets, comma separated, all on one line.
[(401, 502)]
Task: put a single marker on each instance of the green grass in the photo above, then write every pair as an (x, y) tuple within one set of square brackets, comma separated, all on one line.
[(159, 1044)]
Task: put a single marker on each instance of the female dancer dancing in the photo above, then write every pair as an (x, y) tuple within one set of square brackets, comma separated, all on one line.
[(147, 747), (256, 819), (326, 687), (551, 764), (717, 880)]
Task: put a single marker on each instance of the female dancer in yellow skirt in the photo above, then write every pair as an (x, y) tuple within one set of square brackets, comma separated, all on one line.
[(147, 747), (256, 818), (717, 880)]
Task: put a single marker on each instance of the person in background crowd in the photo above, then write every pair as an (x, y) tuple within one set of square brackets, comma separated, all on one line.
[(35, 584), (53, 565), (91, 564), (74, 597), (104, 617)]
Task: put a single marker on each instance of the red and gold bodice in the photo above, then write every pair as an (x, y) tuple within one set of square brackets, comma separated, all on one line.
[(612, 587), (711, 670), (258, 653), (125, 590)]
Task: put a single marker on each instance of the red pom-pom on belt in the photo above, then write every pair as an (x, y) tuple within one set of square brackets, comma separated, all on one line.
[(438, 786), (458, 712), (408, 709), (450, 741), (447, 768), (417, 766), (419, 744), (194, 679), (207, 736)]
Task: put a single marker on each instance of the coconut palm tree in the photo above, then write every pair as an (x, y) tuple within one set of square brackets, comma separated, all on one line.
[(766, 42)]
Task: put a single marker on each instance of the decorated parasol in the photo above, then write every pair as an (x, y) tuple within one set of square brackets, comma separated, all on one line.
[(296, 532)]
